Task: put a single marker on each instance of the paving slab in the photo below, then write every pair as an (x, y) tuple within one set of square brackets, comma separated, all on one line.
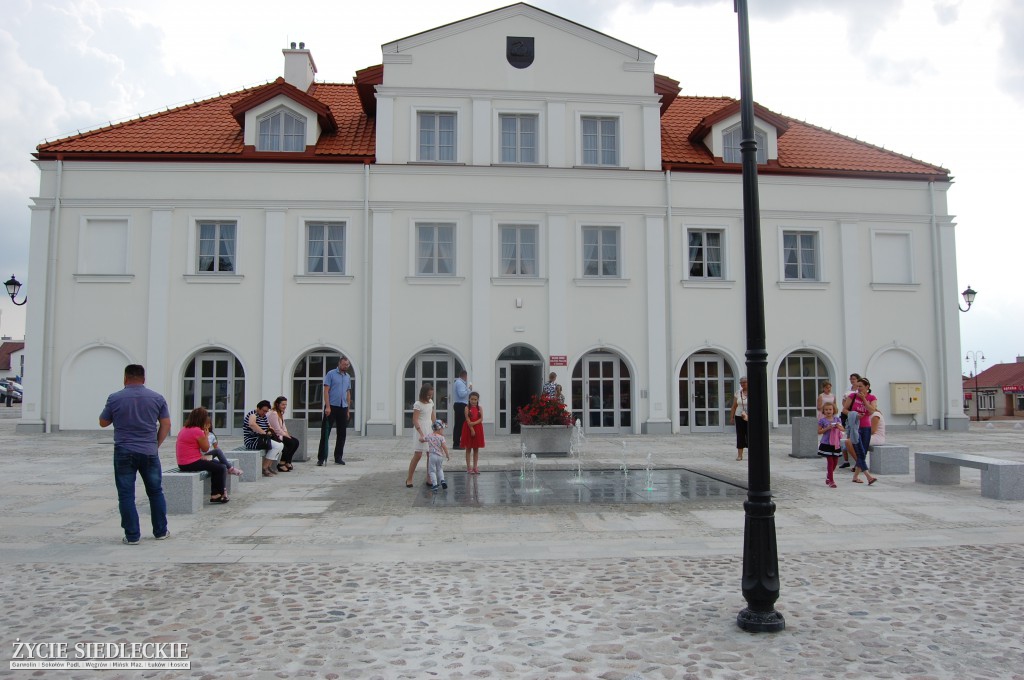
[(342, 572)]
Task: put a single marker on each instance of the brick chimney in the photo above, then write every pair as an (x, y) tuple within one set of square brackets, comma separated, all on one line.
[(299, 67)]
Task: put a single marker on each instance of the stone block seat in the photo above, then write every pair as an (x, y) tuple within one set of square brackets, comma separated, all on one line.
[(250, 462), (185, 491), (889, 459), (1000, 478)]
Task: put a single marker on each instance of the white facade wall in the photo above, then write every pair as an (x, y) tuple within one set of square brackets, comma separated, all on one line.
[(885, 258)]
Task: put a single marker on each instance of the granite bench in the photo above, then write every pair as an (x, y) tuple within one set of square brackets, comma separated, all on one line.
[(889, 459), (184, 491), (1001, 479), (250, 462)]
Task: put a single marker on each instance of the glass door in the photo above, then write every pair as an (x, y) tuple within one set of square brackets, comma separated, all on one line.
[(214, 380), (602, 394), (707, 394), (436, 368)]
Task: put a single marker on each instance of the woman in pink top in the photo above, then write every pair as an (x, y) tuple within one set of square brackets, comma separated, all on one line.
[(190, 449), (275, 418), (861, 404)]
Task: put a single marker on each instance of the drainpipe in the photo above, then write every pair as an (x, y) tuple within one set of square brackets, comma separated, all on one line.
[(367, 297), (939, 307), (51, 295), (670, 287)]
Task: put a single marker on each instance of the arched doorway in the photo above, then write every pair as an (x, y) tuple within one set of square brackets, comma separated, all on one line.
[(602, 394), (798, 384), (438, 367), (215, 380), (307, 400), (519, 376), (706, 386)]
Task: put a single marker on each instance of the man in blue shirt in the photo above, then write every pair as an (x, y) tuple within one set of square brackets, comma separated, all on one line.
[(337, 394), (141, 424), (461, 389)]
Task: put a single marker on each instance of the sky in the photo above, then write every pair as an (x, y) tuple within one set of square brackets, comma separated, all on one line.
[(939, 80)]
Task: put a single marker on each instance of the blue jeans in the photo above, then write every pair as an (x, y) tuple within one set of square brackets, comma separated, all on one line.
[(126, 464), (862, 447)]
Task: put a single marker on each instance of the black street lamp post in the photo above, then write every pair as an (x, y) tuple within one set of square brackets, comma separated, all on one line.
[(975, 355), (760, 553)]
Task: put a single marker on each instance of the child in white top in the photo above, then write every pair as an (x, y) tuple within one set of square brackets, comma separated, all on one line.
[(437, 447), (215, 451)]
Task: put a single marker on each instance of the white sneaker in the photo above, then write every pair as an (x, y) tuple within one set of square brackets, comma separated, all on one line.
[(165, 536)]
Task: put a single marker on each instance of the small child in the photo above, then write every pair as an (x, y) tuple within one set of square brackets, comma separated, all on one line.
[(215, 451), (830, 428), (437, 447)]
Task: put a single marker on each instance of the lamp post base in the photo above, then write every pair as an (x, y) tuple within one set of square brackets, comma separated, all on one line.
[(760, 622)]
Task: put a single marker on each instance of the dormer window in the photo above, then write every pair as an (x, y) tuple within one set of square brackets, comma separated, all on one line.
[(731, 139), (281, 130)]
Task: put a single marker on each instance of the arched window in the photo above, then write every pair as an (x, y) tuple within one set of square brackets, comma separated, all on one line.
[(731, 139), (799, 382), (281, 130), (307, 400)]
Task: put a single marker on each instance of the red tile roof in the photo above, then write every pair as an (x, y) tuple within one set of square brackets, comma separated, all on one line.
[(8, 348), (998, 376), (804, 149), (207, 130)]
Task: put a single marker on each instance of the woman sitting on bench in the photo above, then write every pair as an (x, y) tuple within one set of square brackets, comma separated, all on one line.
[(257, 436), (190, 450)]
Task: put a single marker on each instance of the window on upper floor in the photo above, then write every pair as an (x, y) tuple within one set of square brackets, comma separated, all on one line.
[(436, 136), (216, 253), (435, 249), (601, 252), (800, 256), (325, 247), (518, 138), (704, 254), (281, 130), (731, 139), (519, 250), (599, 140)]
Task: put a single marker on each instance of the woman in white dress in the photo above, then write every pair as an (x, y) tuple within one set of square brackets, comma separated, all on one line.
[(423, 416)]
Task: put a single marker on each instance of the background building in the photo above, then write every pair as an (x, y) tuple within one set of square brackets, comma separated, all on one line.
[(995, 393), (512, 193)]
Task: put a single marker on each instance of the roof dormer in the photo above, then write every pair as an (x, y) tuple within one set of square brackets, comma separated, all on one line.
[(721, 134), (282, 118)]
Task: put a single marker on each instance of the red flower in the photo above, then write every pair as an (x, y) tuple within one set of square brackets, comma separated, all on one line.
[(543, 410)]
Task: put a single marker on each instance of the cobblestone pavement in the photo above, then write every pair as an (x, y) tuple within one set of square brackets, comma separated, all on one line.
[(337, 572)]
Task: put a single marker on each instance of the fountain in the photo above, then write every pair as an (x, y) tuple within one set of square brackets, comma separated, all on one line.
[(625, 465), (649, 468), (522, 462), (576, 451)]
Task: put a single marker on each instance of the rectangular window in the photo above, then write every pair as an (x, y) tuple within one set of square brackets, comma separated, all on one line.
[(800, 255), (518, 250), (601, 251), (437, 137), (518, 138), (704, 254), (325, 247), (216, 247), (435, 249), (599, 140)]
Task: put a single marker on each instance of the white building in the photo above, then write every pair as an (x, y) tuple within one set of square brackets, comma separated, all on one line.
[(512, 193)]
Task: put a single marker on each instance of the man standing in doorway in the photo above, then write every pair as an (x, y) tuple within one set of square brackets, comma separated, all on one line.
[(141, 424), (337, 393), (461, 390)]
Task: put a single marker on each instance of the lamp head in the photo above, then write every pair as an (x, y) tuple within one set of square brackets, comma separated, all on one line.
[(969, 295)]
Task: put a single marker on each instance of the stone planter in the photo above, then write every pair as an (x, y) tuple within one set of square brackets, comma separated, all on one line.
[(546, 440)]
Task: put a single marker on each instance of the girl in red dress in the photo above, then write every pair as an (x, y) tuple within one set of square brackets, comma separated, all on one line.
[(473, 433)]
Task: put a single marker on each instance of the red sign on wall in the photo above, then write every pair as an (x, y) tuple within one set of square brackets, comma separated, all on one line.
[(558, 360), (1013, 389)]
